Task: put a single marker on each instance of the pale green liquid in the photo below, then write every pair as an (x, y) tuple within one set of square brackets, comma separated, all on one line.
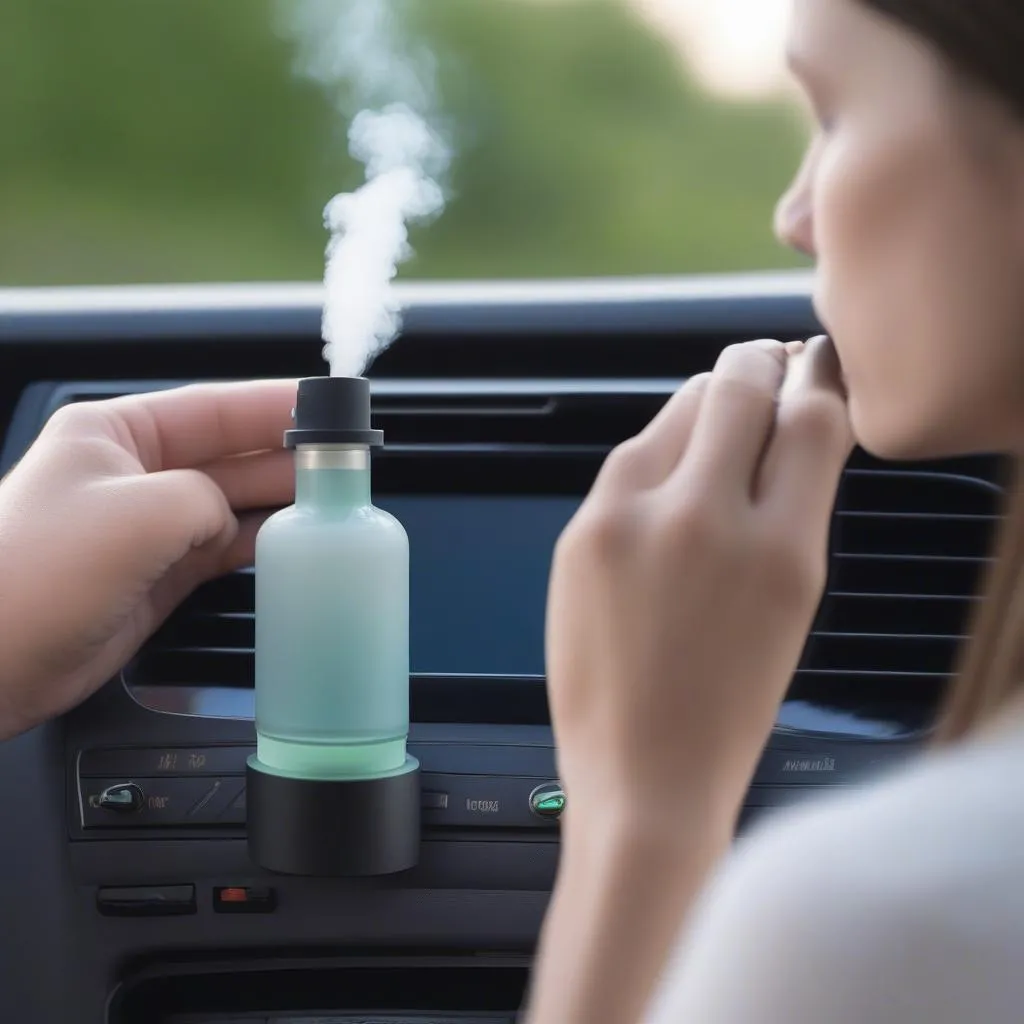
[(332, 633)]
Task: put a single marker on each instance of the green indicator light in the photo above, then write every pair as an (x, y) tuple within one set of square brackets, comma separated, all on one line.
[(550, 805), (547, 802)]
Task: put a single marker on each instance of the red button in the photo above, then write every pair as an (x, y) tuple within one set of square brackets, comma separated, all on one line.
[(244, 899)]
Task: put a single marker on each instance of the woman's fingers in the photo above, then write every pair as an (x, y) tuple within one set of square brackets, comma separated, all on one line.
[(736, 418), (647, 459), (812, 439), (745, 382), (190, 426)]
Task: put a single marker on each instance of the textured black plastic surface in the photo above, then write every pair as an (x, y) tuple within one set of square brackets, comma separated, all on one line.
[(338, 989), (334, 829), (333, 410)]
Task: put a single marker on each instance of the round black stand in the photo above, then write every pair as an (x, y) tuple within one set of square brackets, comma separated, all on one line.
[(333, 828)]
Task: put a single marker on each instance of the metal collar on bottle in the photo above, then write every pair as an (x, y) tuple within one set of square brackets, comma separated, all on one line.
[(332, 456)]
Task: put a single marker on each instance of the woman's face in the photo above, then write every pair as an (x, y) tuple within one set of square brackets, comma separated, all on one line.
[(911, 199)]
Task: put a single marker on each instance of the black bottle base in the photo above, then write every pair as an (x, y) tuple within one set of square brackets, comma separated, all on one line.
[(332, 828)]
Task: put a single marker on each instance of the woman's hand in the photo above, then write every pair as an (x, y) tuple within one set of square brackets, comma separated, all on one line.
[(680, 600), (683, 590), (115, 514)]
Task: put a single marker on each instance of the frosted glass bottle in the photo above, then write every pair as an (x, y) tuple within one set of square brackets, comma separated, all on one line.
[(332, 626)]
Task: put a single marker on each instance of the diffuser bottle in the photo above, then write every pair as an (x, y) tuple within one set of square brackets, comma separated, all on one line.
[(332, 789)]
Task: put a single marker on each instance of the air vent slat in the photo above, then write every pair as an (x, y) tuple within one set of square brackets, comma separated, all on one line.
[(880, 652), (897, 533), (202, 629), (559, 417), (892, 614), (228, 594), (910, 492), (197, 667), (884, 574)]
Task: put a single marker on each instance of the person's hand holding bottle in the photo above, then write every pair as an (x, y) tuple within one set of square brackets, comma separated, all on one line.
[(680, 601), (117, 511)]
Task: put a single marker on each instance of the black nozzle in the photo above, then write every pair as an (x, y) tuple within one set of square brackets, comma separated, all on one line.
[(333, 410)]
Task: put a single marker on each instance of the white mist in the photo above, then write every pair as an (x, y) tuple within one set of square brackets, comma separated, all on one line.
[(355, 48)]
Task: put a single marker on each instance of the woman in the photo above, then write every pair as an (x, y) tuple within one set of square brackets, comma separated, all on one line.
[(702, 558), (682, 592)]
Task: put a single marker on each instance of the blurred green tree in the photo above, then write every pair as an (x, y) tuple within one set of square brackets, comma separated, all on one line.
[(170, 140)]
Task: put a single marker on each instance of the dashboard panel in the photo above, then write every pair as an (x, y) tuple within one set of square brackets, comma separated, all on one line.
[(125, 881)]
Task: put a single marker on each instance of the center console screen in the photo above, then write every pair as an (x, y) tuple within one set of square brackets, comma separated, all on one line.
[(479, 577)]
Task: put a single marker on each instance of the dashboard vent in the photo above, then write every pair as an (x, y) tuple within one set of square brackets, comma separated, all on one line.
[(909, 542), (908, 549), (209, 640), (572, 415), (909, 546)]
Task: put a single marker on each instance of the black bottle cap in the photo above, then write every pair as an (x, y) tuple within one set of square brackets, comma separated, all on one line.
[(333, 410)]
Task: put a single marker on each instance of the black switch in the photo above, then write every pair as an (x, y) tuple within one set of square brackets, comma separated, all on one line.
[(146, 900), (123, 797), (171, 802)]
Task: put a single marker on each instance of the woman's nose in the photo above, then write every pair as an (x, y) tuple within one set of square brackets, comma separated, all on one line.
[(794, 221)]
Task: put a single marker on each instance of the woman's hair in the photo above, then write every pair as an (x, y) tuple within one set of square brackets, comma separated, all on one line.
[(984, 41), (991, 671)]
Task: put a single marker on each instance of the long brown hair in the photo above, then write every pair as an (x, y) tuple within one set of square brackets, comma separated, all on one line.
[(984, 40)]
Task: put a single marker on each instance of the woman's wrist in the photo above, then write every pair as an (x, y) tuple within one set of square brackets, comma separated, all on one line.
[(635, 819), (609, 837), (626, 882)]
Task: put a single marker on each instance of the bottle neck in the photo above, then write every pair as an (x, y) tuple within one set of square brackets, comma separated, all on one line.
[(332, 477)]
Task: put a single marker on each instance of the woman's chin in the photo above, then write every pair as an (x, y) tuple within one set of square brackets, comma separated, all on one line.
[(897, 439), (883, 436)]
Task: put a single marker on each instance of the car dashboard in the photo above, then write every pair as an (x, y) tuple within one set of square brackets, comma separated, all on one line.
[(126, 888)]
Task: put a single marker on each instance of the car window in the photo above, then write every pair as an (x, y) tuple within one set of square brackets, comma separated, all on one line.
[(188, 140)]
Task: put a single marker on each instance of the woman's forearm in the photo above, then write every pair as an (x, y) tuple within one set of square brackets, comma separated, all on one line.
[(623, 892)]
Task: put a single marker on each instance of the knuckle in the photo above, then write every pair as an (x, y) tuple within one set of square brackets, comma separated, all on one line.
[(692, 391), (609, 530), (818, 415), (695, 524), (751, 367), (766, 351), (676, 417), (623, 462), (75, 419), (698, 383), (602, 530)]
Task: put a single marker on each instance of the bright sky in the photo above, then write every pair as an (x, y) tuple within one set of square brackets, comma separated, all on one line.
[(734, 46)]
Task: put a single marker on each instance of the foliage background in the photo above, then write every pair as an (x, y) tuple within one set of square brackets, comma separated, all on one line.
[(170, 140)]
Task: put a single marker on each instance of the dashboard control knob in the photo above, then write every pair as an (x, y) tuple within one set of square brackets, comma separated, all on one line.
[(548, 800), (124, 798)]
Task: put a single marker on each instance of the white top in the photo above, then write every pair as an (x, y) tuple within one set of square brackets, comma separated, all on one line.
[(898, 903)]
